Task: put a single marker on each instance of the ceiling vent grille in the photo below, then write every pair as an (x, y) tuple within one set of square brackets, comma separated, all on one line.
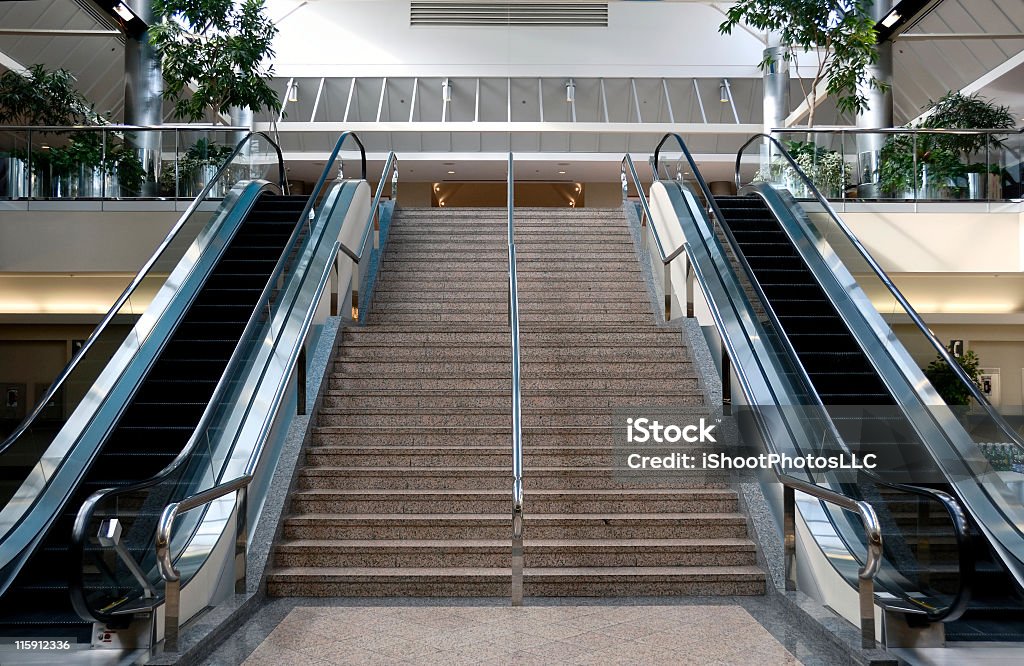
[(521, 14)]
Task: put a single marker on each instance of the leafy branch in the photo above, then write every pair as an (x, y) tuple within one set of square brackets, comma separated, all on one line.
[(222, 49), (839, 32)]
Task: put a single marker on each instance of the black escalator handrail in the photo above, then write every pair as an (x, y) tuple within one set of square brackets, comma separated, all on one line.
[(960, 527), (390, 163), (943, 353), (136, 281), (82, 520)]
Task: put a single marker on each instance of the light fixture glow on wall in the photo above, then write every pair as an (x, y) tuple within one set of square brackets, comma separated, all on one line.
[(122, 10), (446, 91), (293, 93), (570, 91), (890, 20)]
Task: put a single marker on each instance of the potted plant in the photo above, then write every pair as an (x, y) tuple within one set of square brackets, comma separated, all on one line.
[(945, 380), (826, 168), (199, 166), (955, 110), (71, 165), (944, 161)]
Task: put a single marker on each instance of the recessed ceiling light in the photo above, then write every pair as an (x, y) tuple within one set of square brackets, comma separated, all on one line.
[(451, 173), (562, 172)]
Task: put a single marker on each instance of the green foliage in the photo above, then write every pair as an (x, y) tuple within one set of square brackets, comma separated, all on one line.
[(220, 47), (947, 383), (841, 33), (826, 168), (954, 110), (40, 96), (943, 155)]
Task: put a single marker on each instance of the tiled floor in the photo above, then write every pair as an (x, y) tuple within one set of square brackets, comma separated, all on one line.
[(711, 633)]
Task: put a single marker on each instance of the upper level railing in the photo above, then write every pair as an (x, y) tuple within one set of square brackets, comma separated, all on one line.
[(114, 161), (896, 164)]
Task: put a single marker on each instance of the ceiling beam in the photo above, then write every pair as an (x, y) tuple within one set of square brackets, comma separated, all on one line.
[(936, 36), (902, 17), (52, 32), (516, 127)]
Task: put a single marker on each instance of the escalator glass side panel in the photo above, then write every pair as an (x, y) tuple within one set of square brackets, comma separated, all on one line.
[(880, 399), (158, 418), (221, 449), (796, 425), (39, 447)]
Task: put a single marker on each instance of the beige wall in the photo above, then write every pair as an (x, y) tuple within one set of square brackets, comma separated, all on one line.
[(941, 242), (80, 241), (603, 195)]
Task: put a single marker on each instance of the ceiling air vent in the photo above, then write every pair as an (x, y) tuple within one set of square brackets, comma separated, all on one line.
[(559, 14)]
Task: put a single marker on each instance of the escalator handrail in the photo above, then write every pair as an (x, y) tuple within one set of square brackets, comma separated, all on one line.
[(136, 281), (329, 165), (82, 520), (627, 161), (943, 353), (966, 564), (390, 163)]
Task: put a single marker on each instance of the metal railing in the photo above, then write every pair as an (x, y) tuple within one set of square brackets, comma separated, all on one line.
[(112, 161), (517, 408), (902, 163)]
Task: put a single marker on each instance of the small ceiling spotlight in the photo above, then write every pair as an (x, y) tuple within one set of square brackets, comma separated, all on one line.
[(451, 173), (570, 91), (724, 92), (122, 10), (561, 173), (890, 20), (446, 91), (293, 93)]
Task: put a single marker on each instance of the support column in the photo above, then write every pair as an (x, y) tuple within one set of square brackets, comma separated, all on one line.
[(143, 95), (776, 86), (879, 112)]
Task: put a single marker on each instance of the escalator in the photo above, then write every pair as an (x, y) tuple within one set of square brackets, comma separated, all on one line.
[(824, 372), (159, 420), (843, 376)]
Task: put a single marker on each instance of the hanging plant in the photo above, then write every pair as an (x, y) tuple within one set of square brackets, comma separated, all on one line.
[(842, 35), (219, 48)]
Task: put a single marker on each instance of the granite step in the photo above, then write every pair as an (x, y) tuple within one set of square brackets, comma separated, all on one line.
[(554, 478), (495, 455), (388, 337), (497, 499), (537, 582), (577, 525), (501, 400), (469, 436), (441, 553)]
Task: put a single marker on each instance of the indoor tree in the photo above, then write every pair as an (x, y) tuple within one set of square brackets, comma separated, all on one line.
[(219, 48), (840, 32), (946, 381)]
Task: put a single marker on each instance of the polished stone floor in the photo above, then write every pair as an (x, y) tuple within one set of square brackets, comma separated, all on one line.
[(696, 631)]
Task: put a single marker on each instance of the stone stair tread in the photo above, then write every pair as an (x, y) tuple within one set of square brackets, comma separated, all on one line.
[(456, 518), (698, 493), (325, 574), (484, 544)]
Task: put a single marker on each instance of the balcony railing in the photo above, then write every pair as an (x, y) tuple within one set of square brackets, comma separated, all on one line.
[(115, 161), (897, 164)]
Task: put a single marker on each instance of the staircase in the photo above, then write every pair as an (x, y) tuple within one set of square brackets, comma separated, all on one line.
[(406, 485)]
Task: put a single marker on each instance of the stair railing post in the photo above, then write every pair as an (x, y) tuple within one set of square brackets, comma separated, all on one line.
[(300, 381), (668, 290), (789, 535)]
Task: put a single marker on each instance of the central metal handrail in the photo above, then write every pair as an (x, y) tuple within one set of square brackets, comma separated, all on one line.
[(517, 400), (390, 164)]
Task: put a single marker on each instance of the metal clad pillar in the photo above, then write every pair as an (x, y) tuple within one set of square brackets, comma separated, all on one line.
[(880, 108), (776, 86), (143, 94)]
